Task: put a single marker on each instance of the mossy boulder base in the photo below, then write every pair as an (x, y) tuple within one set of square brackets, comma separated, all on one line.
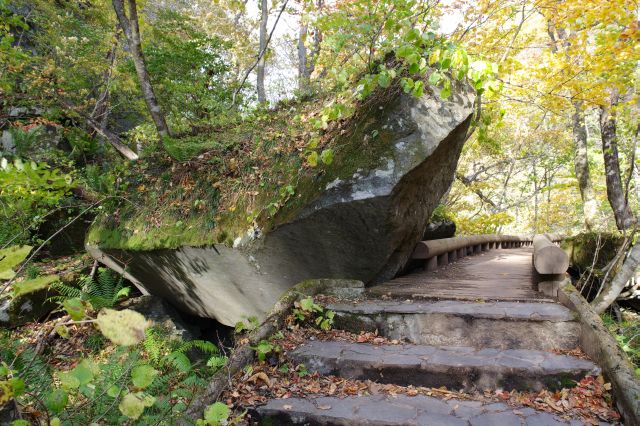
[(360, 224)]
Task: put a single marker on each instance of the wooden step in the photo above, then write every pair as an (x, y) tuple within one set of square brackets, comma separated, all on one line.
[(504, 325), (454, 367)]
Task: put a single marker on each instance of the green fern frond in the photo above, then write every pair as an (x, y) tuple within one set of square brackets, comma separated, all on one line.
[(203, 346)]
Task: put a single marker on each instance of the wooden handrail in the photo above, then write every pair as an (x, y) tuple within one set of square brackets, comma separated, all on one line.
[(548, 258), (441, 252)]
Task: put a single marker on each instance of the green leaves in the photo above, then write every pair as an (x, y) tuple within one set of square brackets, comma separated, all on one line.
[(68, 381), (29, 286), (418, 89), (124, 327), (263, 349), (143, 375), (216, 414), (11, 257), (327, 156), (75, 308), (133, 404), (56, 401), (312, 159), (217, 362)]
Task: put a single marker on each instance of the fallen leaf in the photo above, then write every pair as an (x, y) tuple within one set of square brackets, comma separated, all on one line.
[(260, 376)]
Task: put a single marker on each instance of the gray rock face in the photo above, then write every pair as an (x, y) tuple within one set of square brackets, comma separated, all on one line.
[(401, 410), (16, 311), (363, 226)]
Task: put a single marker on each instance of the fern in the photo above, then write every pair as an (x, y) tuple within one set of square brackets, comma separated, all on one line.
[(154, 344), (203, 346), (65, 291), (105, 291)]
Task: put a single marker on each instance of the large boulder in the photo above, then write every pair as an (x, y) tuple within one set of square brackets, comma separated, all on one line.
[(363, 226)]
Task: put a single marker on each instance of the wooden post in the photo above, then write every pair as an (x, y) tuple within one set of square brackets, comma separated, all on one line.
[(432, 264), (443, 259)]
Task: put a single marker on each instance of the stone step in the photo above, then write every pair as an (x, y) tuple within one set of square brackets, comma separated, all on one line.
[(454, 367), (504, 325), (402, 410)]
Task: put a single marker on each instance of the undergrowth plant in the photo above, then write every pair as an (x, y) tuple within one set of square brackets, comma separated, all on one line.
[(307, 310), (151, 382), (103, 291)]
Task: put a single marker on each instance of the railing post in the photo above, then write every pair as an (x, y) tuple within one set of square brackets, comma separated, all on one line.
[(443, 259), (432, 264)]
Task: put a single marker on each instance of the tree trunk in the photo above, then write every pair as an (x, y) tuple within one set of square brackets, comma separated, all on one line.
[(100, 113), (615, 192), (262, 96), (581, 164), (610, 293), (132, 32), (303, 76), (307, 59)]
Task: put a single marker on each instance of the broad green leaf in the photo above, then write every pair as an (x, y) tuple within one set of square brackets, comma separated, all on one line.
[(113, 391), (434, 56), (418, 89), (11, 257), (75, 308), (217, 413), (63, 331), (83, 372), (327, 156), (312, 159), (29, 286), (435, 78), (68, 381), (143, 375), (124, 327), (131, 406), (384, 80), (56, 401), (446, 90)]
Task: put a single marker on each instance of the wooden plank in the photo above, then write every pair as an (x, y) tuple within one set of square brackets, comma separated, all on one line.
[(493, 275)]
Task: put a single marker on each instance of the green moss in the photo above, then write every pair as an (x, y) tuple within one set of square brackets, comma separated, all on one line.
[(192, 214), (584, 248)]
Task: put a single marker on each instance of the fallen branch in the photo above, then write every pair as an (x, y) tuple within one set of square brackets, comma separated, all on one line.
[(244, 354)]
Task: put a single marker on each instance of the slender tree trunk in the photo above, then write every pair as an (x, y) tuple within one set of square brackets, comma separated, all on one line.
[(303, 77), (581, 164), (264, 17), (535, 199), (610, 293), (131, 30), (307, 59), (100, 113), (615, 191)]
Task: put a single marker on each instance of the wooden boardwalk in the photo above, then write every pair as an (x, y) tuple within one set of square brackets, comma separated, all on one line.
[(503, 274)]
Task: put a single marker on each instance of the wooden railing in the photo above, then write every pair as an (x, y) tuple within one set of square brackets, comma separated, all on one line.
[(550, 263), (441, 252)]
